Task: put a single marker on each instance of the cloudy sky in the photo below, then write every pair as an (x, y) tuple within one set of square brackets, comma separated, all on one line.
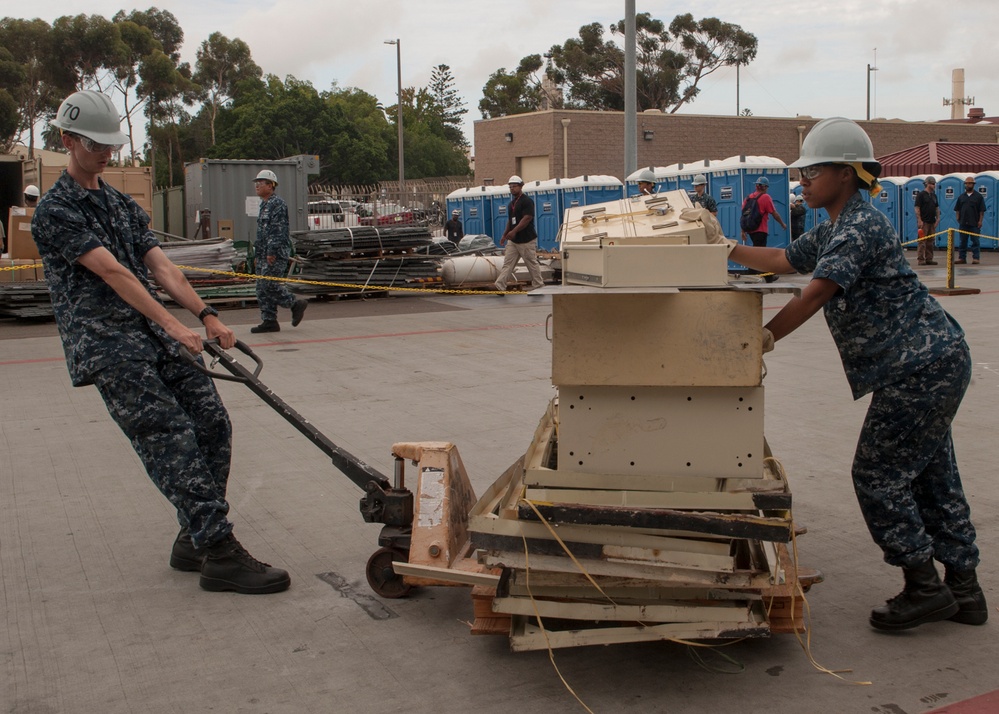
[(812, 57)]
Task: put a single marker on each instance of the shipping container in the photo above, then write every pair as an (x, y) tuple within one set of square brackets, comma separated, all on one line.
[(225, 187)]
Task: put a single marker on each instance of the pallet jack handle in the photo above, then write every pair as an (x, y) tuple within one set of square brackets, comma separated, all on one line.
[(366, 477)]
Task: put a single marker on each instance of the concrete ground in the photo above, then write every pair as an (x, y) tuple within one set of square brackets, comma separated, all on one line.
[(94, 620)]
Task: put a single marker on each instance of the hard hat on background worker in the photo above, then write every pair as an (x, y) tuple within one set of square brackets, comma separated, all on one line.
[(456, 212), (763, 181), (838, 140), (90, 114), (516, 179), (31, 190), (267, 175), (700, 180), (646, 176)]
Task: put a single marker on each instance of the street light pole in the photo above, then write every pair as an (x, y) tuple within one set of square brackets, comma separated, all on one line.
[(869, 70), (402, 169)]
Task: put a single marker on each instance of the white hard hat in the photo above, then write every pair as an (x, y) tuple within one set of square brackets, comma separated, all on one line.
[(516, 179), (267, 175), (836, 139), (456, 212), (646, 176), (31, 190), (90, 114), (700, 180)]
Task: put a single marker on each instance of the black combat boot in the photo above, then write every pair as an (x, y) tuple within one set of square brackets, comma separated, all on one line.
[(267, 326), (228, 566), (184, 556), (970, 598), (924, 599), (298, 312)]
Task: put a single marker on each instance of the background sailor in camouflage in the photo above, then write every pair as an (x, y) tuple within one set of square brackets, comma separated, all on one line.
[(701, 197), (273, 251), (896, 341), (98, 253)]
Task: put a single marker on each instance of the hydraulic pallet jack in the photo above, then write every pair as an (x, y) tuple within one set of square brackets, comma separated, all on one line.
[(428, 527)]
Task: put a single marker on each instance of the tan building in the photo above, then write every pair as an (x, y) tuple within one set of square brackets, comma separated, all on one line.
[(562, 143)]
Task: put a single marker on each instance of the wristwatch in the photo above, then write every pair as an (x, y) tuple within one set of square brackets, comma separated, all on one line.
[(209, 310)]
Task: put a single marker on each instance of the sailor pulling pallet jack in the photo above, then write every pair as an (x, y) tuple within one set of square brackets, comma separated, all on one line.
[(896, 341), (98, 251)]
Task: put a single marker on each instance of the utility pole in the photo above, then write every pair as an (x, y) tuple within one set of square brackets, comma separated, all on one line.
[(398, 106), (630, 101), (869, 70)]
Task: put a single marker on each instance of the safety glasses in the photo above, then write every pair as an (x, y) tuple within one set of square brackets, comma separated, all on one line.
[(95, 147), (811, 172)]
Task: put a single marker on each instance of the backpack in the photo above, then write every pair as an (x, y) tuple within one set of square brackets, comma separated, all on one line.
[(751, 216)]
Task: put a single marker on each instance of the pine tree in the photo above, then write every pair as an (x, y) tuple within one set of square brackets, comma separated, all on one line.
[(449, 104)]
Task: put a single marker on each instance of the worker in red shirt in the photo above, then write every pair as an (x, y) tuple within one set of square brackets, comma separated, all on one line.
[(766, 209)]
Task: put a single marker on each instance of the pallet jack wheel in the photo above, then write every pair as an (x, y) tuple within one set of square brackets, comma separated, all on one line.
[(382, 578)]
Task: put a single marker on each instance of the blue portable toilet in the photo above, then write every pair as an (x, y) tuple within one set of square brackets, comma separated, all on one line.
[(907, 213), (725, 186), (987, 184), (949, 189), (600, 189), (454, 201), (498, 199), (573, 194), (889, 200), (668, 179), (775, 170), (547, 211), (474, 208)]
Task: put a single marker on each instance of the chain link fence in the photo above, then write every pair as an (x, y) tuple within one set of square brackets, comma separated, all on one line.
[(422, 202)]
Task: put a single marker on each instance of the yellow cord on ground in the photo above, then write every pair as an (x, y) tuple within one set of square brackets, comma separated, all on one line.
[(541, 625)]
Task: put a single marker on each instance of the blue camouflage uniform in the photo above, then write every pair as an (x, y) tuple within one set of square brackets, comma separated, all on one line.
[(273, 239), (896, 341), (169, 410), (706, 201)]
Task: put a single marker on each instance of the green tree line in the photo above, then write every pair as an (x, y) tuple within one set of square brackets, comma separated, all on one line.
[(222, 107)]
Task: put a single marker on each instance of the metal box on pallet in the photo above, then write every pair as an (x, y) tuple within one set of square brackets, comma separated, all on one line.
[(657, 339)]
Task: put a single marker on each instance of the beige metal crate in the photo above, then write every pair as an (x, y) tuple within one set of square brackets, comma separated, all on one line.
[(714, 432), (689, 338)]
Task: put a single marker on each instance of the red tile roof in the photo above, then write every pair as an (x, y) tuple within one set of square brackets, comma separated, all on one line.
[(941, 157)]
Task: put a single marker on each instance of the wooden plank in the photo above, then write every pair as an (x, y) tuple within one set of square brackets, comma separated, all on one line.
[(495, 625), (675, 576), (611, 535), (704, 501), (508, 505), (526, 637), (699, 561), (725, 524), (447, 575), (576, 585), (676, 612), (635, 593), (651, 556), (487, 503)]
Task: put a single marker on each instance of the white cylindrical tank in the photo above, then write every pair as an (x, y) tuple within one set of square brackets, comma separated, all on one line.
[(471, 269)]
